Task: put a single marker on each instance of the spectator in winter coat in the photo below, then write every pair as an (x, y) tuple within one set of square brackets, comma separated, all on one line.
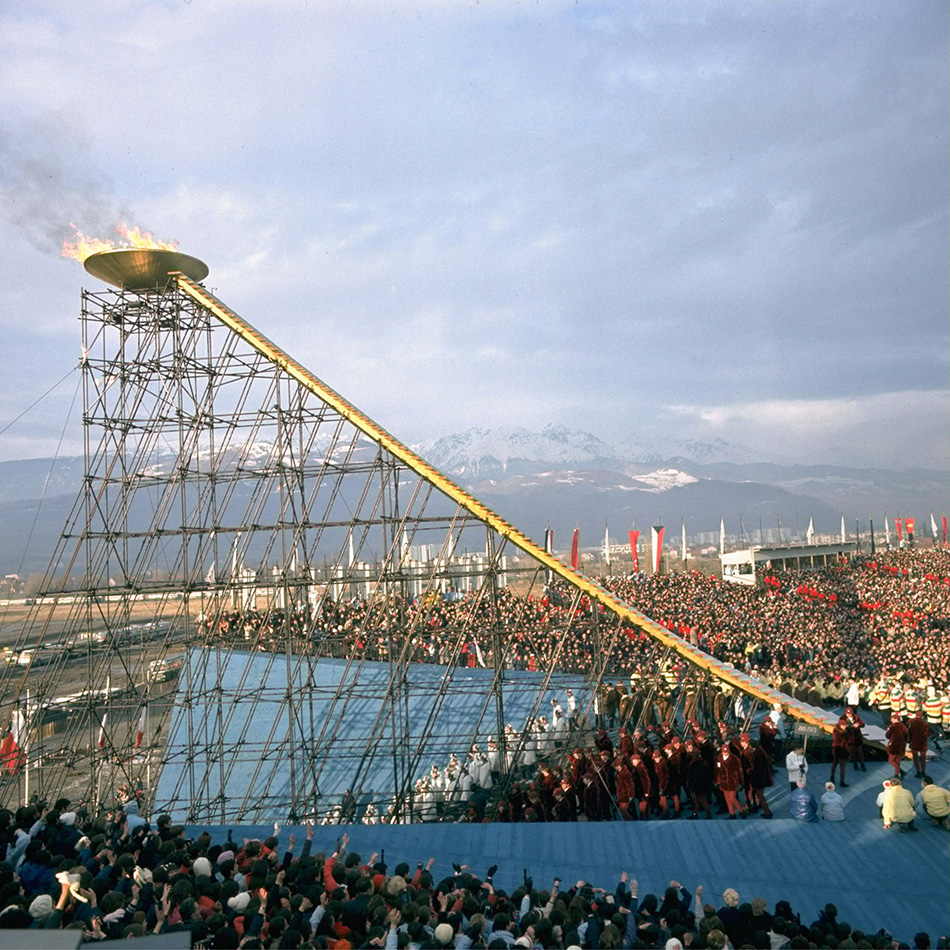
[(935, 801), (803, 804), (898, 807), (832, 804)]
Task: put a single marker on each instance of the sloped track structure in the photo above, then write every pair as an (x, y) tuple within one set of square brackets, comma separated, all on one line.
[(255, 573)]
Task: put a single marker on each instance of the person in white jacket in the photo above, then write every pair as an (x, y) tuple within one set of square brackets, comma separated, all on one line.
[(796, 766)]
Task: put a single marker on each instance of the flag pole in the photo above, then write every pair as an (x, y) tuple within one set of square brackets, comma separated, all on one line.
[(26, 764), (148, 749)]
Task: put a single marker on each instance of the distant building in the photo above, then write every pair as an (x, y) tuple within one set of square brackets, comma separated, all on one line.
[(750, 565)]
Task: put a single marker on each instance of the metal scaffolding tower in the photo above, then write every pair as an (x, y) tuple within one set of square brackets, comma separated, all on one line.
[(242, 530)]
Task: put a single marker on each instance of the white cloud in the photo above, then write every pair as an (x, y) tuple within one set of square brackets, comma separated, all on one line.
[(894, 429)]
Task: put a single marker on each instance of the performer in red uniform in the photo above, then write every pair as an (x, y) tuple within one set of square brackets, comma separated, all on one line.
[(919, 733), (897, 736), (729, 779), (840, 747), (758, 771), (855, 725)]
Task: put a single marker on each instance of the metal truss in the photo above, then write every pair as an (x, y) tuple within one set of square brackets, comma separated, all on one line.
[(239, 520)]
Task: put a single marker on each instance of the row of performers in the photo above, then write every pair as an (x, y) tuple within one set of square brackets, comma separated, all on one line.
[(642, 779)]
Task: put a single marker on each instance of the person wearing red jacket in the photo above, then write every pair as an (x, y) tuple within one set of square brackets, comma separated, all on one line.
[(918, 733), (758, 771), (855, 725), (897, 736), (624, 789), (642, 784), (662, 772), (840, 747), (729, 779)]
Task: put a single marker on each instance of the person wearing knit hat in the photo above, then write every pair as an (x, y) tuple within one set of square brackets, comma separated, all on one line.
[(41, 907), (239, 902), (202, 867), (444, 934)]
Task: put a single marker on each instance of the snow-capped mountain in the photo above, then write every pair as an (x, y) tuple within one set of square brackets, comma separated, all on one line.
[(558, 476), (511, 450)]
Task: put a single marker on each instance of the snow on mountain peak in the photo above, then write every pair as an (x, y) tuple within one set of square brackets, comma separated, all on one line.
[(480, 452)]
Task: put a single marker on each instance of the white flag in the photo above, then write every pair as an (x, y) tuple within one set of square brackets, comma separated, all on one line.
[(684, 542), (606, 544), (843, 535), (140, 732), (722, 535), (887, 533), (18, 730), (810, 533), (933, 527)]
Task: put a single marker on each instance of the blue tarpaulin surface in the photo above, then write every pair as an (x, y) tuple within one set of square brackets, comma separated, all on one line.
[(877, 878), (240, 741)]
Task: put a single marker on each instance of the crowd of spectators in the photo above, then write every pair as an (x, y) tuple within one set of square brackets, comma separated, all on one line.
[(817, 631), (117, 876), (873, 630), (866, 620)]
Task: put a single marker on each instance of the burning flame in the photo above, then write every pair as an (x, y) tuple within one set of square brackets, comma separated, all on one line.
[(82, 246)]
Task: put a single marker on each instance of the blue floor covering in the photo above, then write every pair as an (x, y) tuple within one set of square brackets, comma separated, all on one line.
[(877, 878), (238, 759)]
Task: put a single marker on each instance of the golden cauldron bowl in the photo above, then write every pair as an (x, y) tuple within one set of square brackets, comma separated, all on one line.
[(142, 268)]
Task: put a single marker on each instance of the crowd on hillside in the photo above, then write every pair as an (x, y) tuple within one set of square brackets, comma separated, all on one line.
[(877, 625), (887, 615), (877, 618), (118, 877)]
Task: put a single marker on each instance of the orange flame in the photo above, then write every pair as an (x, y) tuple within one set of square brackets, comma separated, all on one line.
[(82, 247)]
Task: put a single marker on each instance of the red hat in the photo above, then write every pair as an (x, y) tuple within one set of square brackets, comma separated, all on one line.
[(744, 737)]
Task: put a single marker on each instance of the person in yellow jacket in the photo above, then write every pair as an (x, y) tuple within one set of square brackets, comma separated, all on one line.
[(898, 807), (935, 801)]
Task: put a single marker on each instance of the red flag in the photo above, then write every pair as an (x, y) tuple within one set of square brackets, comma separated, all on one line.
[(141, 729), (634, 537), (102, 732), (900, 527), (909, 526), (574, 543), (944, 529), (9, 753)]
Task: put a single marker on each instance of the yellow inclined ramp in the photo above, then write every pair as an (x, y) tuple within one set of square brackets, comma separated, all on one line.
[(596, 592)]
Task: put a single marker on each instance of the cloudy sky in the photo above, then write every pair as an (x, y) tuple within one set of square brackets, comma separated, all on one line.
[(715, 219)]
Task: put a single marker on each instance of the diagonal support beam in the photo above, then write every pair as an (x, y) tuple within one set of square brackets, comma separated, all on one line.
[(596, 592)]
